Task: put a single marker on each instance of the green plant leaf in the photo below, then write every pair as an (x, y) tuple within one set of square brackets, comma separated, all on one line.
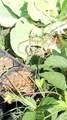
[(48, 8), (39, 82), (62, 116), (61, 106), (48, 101), (14, 5), (19, 38), (7, 19), (63, 14), (36, 14), (30, 102), (55, 61), (53, 113), (55, 78), (29, 115), (46, 104), (39, 114)]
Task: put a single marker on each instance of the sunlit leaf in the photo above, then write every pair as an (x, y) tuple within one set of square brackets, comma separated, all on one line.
[(14, 5), (35, 14), (47, 7), (39, 82), (56, 61), (20, 38), (55, 79), (7, 19)]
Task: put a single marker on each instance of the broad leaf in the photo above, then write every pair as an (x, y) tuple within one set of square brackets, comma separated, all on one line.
[(14, 5), (36, 14), (48, 101), (19, 38), (62, 116), (7, 19), (48, 8), (29, 115), (56, 61), (40, 114), (55, 78), (61, 106), (44, 105)]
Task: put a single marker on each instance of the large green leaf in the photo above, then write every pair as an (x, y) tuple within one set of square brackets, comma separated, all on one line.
[(19, 38), (14, 5), (48, 8), (29, 115), (55, 78), (48, 101), (36, 14), (56, 61), (46, 104), (7, 19), (61, 106)]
